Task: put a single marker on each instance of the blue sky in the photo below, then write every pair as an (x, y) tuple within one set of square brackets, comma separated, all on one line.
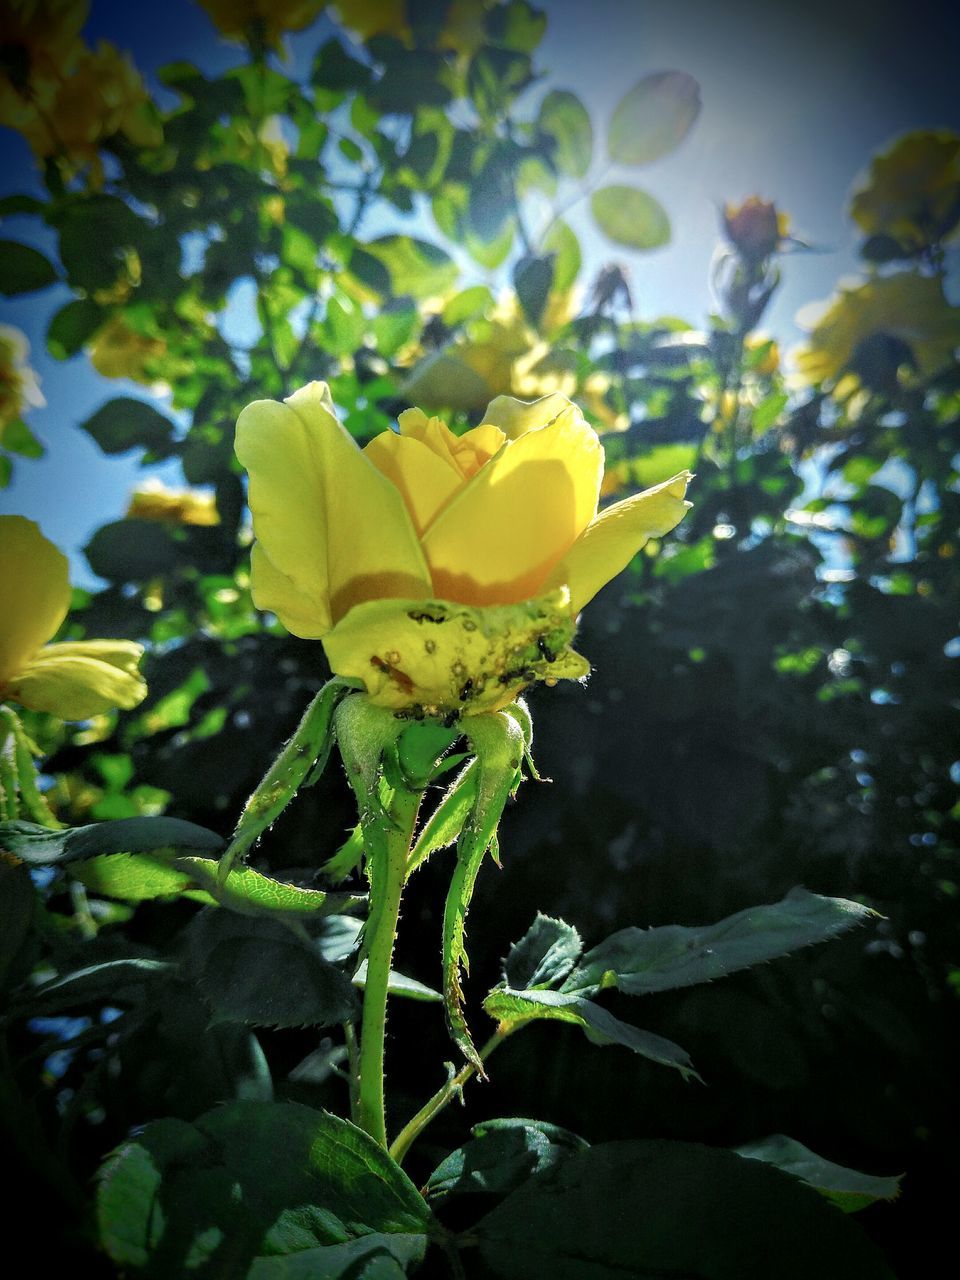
[(796, 98)]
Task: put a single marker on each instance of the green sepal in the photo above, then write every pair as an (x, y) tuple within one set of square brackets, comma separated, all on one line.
[(498, 742), (22, 777), (300, 762), (444, 825)]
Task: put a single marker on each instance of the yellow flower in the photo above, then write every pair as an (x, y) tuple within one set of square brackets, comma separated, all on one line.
[(912, 191), (499, 355), (154, 501), (890, 320), (104, 95), (442, 572), (118, 351), (755, 228), (19, 388), (366, 18), (237, 19), (39, 44), (75, 679)]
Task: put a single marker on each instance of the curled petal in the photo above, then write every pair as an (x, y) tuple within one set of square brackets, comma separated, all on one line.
[(81, 678), (608, 545), (498, 539), (34, 593), (327, 519), (440, 658)]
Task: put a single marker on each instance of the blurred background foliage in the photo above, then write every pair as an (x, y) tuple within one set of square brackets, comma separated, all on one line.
[(774, 700)]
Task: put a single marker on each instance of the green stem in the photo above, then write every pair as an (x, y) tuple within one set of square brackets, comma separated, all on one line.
[(385, 891), (353, 1060), (444, 1095)]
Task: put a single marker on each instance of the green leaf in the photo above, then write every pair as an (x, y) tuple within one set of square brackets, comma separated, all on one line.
[(134, 877), (250, 893), (638, 961), (23, 269), (466, 304), (72, 326), (255, 1180), (38, 845), (416, 267), (10, 205), (127, 423), (847, 1189), (768, 410), (132, 550), (565, 247), (697, 1212), (630, 217), (399, 984), (653, 118), (565, 118), (510, 1007), (257, 971), (17, 437), (533, 280), (113, 982), (502, 1156), (384, 1256), (18, 903), (544, 955), (333, 68)]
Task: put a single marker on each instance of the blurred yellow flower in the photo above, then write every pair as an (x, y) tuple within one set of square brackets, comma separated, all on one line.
[(103, 95), (912, 191), (756, 229), (19, 387), (238, 19), (75, 679), (39, 45), (366, 18), (443, 572), (500, 354), (154, 501), (118, 351), (889, 320)]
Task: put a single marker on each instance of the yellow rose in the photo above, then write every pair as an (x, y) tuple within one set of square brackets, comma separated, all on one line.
[(903, 315), (19, 388), (442, 572), (39, 44), (912, 191), (236, 19), (154, 501), (118, 351), (75, 679)]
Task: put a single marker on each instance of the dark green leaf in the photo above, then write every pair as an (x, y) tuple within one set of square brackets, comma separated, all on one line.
[(653, 118), (847, 1188), (376, 1256), (257, 971), (565, 118), (533, 280), (638, 961), (71, 327), (333, 68), (127, 423), (18, 900), (398, 984), (602, 1028), (37, 845), (10, 205), (502, 1155), (630, 217), (113, 982), (132, 550), (544, 955), (254, 1180), (696, 1212), (23, 269)]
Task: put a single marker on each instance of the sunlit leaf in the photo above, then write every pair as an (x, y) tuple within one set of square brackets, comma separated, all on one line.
[(565, 118), (653, 118), (630, 217)]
